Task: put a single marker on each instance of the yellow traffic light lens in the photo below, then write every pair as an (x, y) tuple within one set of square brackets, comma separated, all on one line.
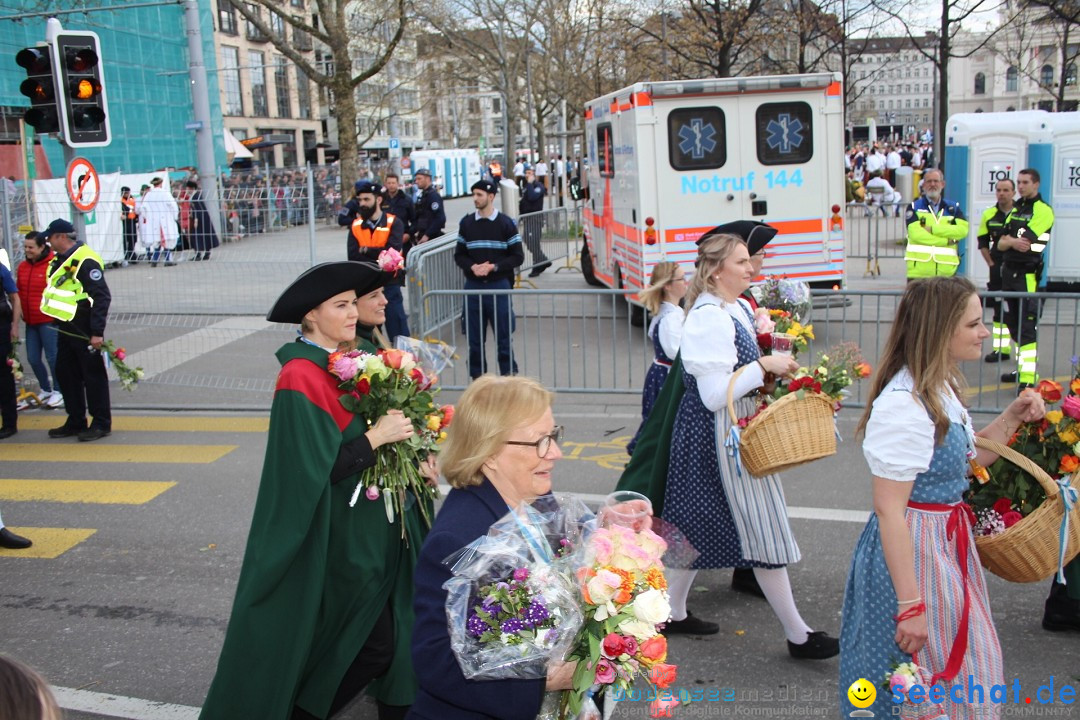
[(84, 90)]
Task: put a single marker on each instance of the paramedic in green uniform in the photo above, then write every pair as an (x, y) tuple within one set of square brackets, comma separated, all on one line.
[(323, 607)]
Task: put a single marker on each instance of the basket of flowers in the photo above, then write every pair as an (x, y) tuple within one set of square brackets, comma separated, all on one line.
[(796, 424), (1027, 505)]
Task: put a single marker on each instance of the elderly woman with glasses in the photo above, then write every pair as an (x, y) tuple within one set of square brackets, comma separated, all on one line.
[(499, 453)]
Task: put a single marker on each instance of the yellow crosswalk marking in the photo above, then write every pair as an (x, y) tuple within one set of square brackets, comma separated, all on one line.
[(48, 542), (156, 423), (102, 492), (104, 452)]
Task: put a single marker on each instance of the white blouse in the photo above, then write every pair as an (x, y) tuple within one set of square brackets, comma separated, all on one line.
[(668, 324), (708, 349), (899, 442)]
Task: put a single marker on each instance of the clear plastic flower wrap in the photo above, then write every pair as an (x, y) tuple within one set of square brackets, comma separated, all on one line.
[(433, 356), (510, 606), (780, 293)]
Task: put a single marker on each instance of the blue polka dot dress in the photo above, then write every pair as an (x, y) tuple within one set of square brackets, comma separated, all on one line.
[(657, 374), (867, 646), (730, 517)]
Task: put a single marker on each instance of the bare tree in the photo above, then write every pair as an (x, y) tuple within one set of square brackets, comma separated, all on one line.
[(340, 21), (1025, 48)]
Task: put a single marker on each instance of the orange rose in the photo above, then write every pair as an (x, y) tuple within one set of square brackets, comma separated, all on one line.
[(393, 357), (863, 369), (1050, 390), (654, 649), (1069, 464), (662, 675), (447, 414), (1075, 386)]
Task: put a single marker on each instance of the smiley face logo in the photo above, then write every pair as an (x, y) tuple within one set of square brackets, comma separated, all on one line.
[(861, 694)]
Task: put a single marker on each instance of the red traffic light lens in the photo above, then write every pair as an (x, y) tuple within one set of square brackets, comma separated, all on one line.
[(35, 60), (81, 60)]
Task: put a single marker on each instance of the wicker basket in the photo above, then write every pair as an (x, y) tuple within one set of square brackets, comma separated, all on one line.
[(791, 431), (1029, 550)]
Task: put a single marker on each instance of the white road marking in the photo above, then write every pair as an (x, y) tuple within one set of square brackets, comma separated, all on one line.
[(119, 706)]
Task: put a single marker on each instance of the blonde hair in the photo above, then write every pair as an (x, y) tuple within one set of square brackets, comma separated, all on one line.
[(489, 410), (930, 311), (24, 695), (713, 250), (663, 274)]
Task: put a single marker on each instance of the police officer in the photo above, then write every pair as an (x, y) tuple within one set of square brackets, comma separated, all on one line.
[(373, 231), (935, 227), (430, 213), (532, 228), (488, 251), (1028, 232), (78, 297), (401, 206), (991, 228), (130, 223)]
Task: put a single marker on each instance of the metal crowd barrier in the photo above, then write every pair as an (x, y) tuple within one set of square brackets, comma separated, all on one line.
[(554, 234), (875, 230)]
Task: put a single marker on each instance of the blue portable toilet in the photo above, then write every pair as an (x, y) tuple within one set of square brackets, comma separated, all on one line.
[(980, 150), (1059, 166)]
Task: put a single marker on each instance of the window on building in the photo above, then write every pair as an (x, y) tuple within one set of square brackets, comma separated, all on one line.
[(257, 74), (907, 89), (926, 87), (1047, 105), (697, 138), (281, 87), (303, 95), (785, 133), (1011, 76), (474, 105), (1070, 106), (297, 3), (277, 24), (1046, 76), (881, 104), (1070, 74), (890, 104), (250, 31), (496, 105), (926, 102), (881, 89), (227, 17), (980, 83), (230, 75), (301, 40), (907, 104)]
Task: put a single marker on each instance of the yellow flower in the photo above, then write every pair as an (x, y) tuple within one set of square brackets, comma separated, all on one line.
[(434, 422), (808, 332), (1054, 417), (1070, 436)]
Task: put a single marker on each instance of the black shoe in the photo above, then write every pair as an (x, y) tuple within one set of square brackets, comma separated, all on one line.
[(153, 264), (1010, 377), (691, 626), (66, 431), (1062, 613), (94, 433), (743, 580), (7, 432), (540, 268), (818, 646), (11, 541), (206, 256), (996, 357), (170, 264), (198, 257)]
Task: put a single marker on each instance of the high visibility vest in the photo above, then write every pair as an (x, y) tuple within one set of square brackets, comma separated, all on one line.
[(63, 291), (129, 205), (377, 238)]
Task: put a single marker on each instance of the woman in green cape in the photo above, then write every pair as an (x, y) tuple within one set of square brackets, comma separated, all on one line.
[(323, 607)]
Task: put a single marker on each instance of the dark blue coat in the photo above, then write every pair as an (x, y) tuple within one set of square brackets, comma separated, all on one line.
[(444, 692)]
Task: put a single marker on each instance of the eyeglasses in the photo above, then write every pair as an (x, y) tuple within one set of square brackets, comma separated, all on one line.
[(544, 443)]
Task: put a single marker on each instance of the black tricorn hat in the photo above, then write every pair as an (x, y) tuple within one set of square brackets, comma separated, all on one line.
[(322, 282), (756, 234)]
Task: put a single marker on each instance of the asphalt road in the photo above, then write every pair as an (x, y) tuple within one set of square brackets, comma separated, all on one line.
[(123, 601)]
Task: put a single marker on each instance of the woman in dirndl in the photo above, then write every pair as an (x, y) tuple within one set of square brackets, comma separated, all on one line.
[(916, 592), (733, 519), (666, 290)]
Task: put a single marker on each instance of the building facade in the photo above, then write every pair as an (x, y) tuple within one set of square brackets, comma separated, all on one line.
[(892, 83)]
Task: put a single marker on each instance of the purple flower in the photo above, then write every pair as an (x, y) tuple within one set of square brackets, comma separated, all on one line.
[(512, 626), (551, 636), (490, 604), (536, 613), (521, 574), (475, 625)]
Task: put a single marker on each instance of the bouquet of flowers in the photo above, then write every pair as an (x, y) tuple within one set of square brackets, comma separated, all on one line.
[(783, 322), (13, 361), (376, 384), (511, 607), (780, 293), (1052, 443), (899, 681), (624, 591)]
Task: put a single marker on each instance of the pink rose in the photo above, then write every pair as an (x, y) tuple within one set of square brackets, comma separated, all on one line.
[(390, 260), (613, 645), (630, 645), (344, 367), (1011, 518), (1071, 407), (120, 354), (372, 493), (602, 547), (605, 672), (521, 574)]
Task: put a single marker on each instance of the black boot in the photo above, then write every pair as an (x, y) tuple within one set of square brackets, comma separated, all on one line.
[(1062, 612)]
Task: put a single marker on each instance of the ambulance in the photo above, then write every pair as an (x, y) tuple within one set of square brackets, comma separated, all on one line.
[(670, 160)]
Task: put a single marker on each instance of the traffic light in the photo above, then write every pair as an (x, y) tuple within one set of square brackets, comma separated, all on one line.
[(39, 86), (84, 115)]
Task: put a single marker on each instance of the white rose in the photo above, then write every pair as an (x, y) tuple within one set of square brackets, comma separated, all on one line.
[(642, 631), (652, 607)]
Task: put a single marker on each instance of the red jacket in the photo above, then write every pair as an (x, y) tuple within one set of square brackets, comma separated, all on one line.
[(31, 281)]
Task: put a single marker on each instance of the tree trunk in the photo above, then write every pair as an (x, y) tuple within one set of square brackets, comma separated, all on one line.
[(345, 106), (1064, 68), (944, 48)]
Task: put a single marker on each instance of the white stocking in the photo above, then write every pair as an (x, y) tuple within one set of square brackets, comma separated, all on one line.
[(776, 585), (679, 583)]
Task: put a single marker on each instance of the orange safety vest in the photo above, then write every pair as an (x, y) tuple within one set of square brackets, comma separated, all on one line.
[(496, 169), (129, 203), (377, 238)]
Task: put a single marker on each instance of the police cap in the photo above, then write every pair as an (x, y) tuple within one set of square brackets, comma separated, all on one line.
[(366, 186), (422, 171), (59, 226)]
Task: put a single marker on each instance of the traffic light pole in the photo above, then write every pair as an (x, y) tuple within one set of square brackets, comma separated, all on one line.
[(200, 98), (78, 218)]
